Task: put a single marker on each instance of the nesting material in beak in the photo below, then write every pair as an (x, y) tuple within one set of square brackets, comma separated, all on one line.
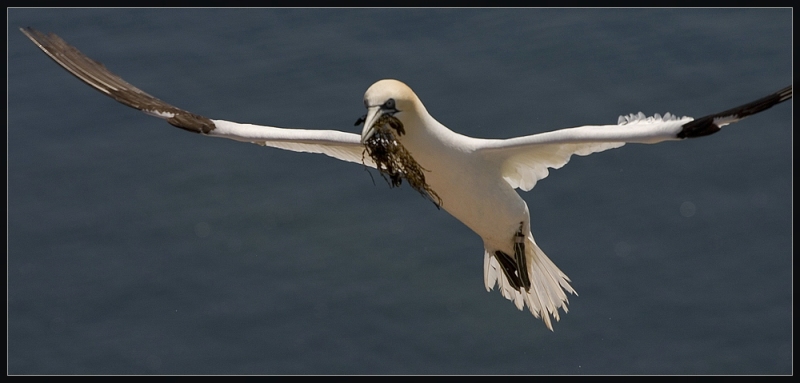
[(393, 160)]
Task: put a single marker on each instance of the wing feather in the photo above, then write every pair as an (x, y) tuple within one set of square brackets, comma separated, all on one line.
[(525, 160), (341, 145)]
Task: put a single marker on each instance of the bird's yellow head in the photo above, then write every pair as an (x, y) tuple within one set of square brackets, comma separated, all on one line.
[(389, 103), (390, 106)]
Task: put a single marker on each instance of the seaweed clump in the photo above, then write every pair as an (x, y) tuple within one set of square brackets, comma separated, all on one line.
[(392, 159)]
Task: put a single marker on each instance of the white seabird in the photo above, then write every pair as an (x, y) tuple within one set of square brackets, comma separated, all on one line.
[(472, 179)]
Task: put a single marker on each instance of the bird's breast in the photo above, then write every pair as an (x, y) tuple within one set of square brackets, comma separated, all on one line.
[(472, 190)]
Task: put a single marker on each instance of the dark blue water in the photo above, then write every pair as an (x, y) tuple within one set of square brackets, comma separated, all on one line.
[(138, 248)]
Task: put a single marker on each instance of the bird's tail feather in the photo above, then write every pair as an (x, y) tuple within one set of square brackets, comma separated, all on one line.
[(549, 285)]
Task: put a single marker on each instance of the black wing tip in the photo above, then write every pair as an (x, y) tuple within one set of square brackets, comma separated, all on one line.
[(707, 125), (784, 94), (191, 122), (700, 127), (35, 36), (99, 77), (28, 31), (38, 37)]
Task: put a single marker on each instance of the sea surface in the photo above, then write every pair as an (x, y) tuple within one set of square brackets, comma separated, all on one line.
[(138, 248)]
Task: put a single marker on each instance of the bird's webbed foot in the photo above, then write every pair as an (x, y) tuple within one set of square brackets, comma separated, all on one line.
[(516, 268)]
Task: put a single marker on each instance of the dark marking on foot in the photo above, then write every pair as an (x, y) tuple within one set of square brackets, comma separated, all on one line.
[(519, 254), (509, 268), (516, 268)]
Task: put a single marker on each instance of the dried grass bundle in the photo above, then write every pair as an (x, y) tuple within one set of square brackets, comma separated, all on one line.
[(393, 160)]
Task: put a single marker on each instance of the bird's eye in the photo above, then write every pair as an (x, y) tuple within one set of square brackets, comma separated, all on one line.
[(389, 104)]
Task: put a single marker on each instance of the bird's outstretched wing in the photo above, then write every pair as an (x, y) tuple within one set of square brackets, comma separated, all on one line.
[(341, 145), (525, 160)]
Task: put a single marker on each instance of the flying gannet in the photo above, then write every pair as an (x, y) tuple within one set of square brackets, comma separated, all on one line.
[(472, 179)]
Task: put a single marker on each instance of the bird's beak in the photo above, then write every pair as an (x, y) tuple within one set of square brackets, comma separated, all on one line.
[(373, 113)]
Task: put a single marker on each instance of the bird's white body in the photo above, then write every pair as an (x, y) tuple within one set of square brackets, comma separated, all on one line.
[(470, 186), (474, 178)]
